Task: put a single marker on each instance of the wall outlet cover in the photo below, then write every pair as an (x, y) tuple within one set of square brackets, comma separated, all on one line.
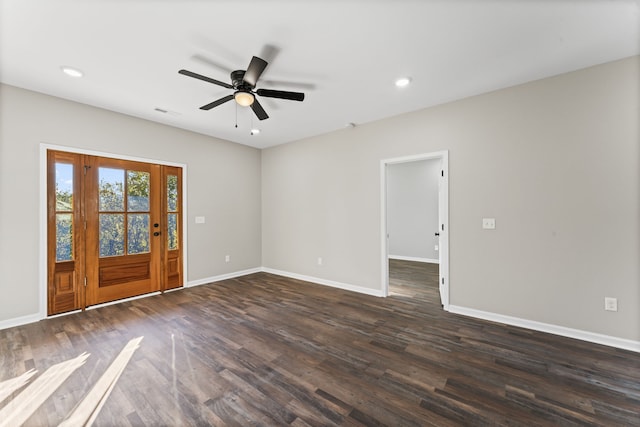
[(488, 223)]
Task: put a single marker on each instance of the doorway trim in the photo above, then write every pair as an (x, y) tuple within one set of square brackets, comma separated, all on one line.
[(443, 206), (42, 256)]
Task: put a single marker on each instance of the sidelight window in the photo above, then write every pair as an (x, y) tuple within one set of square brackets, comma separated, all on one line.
[(172, 212), (64, 211)]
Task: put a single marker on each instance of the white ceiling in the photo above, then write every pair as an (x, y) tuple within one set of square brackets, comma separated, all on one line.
[(345, 55)]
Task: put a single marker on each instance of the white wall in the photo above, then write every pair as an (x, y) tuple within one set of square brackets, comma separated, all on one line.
[(555, 161), (223, 185), (412, 210)]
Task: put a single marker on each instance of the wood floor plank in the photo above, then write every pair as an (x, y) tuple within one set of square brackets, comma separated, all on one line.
[(266, 350)]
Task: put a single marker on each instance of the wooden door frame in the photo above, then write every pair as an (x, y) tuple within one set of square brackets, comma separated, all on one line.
[(445, 286), (42, 256)]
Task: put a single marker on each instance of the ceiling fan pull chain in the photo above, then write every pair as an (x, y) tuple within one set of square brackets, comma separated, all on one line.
[(236, 116)]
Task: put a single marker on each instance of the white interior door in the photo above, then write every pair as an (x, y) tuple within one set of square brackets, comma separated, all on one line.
[(443, 244)]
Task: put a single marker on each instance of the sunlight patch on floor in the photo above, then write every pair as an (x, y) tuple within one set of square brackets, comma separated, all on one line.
[(26, 403), (18, 410)]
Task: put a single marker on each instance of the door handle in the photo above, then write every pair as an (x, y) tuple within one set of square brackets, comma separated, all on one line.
[(157, 233), (437, 234)]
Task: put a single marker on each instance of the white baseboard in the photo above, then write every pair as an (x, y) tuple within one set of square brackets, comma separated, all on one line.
[(23, 320), (333, 284), (303, 277), (226, 276), (593, 337), (19, 321), (415, 259)]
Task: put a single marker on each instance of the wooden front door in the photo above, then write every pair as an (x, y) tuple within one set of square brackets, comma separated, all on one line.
[(123, 229)]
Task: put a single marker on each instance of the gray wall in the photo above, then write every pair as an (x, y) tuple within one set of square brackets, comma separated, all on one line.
[(223, 185), (555, 161), (412, 209)]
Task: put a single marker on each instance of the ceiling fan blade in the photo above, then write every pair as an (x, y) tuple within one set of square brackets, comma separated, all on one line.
[(205, 78), (257, 108), (293, 96), (216, 103), (254, 70)]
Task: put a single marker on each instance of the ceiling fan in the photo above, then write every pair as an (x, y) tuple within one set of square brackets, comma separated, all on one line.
[(243, 83)]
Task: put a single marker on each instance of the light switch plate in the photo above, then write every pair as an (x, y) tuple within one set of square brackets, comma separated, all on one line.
[(199, 220), (488, 223), (611, 304)]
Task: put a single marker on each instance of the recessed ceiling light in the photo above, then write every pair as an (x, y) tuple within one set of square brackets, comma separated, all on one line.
[(255, 131), (72, 72), (402, 82)]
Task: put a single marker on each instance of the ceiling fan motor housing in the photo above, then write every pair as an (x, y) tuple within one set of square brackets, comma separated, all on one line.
[(237, 80)]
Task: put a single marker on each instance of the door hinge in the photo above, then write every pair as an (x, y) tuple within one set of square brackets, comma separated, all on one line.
[(443, 280), (85, 281), (85, 168), (442, 173), (442, 227)]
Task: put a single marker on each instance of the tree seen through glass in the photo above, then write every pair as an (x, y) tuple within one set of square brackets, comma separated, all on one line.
[(64, 211), (120, 229), (172, 208)]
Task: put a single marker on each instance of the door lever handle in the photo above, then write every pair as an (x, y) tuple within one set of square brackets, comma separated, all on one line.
[(437, 234)]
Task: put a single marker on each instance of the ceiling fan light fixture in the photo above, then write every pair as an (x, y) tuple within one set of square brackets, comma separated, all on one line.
[(243, 98)]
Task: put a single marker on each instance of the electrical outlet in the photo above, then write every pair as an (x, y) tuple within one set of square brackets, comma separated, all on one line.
[(611, 304), (436, 247), (319, 260), (488, 223), (227, 258)]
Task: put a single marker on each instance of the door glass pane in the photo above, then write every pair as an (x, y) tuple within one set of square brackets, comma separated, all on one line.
[(138, 233), (64, 237), (172, 193), (111, 235), (111, 190), (64, 187), (172, 231), (137, 191)]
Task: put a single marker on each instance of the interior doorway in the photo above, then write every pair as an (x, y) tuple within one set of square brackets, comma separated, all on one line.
[(439, 229)]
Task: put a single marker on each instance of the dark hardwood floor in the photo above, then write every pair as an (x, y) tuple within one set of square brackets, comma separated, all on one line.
[(266, 350)]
